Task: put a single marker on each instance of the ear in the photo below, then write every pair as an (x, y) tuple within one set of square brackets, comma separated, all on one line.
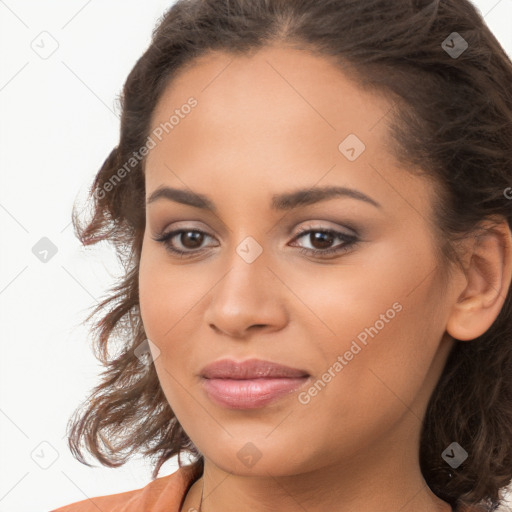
[(488, 274)]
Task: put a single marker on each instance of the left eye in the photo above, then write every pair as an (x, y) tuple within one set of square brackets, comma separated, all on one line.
[(192, 239), (326, 237)]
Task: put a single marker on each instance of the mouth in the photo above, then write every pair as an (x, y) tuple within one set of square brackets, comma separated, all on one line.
[(250, 384)]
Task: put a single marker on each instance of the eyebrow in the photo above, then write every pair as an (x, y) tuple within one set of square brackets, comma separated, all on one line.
[(280, 202)]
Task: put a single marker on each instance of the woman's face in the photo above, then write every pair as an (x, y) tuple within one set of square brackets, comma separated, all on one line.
[(366, 321)]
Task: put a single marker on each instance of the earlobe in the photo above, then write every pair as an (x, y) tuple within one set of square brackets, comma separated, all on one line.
[(488, 275)]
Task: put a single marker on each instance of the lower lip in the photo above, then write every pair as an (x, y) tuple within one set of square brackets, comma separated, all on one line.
[(250, 393)]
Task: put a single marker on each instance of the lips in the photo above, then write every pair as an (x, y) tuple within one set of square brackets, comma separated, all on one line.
[(250, 384), (249, 369)]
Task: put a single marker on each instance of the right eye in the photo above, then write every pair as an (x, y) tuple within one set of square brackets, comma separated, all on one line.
[(190, 239)]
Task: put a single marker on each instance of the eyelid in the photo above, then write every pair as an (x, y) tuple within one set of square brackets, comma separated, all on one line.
[(344, 229), (186, 225)]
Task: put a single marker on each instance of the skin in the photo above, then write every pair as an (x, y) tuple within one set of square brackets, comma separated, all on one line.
[(271, 123)]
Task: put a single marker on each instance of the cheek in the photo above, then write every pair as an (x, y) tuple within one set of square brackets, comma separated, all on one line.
[(172, 300), (383, 317), (375, 384), (167, 294), (151, 299), (161, 307)]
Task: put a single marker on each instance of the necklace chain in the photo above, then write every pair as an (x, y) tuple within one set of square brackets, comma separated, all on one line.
[(201, 502)]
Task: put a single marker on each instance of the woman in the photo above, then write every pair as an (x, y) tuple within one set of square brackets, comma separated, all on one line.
[(312, 202)]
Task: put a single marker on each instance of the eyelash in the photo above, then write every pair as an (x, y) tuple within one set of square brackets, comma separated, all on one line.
[(349, 241)]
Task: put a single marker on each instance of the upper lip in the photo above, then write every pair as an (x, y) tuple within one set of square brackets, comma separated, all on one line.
[(249, 369)]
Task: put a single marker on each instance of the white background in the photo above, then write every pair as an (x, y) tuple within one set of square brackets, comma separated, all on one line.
[(59, 120)]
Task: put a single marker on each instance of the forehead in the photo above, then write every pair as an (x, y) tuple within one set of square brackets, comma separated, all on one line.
[(277, 116), (291, 84)]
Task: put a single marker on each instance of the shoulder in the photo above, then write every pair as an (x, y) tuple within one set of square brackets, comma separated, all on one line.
[(163, 494)]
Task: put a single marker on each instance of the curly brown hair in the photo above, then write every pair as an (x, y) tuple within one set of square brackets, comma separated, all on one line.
[(453, 121)]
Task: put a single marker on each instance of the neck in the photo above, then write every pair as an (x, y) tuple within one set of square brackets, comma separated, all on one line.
[(376, 479)]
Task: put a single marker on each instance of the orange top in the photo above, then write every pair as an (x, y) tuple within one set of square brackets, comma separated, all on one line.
[(164, 494)]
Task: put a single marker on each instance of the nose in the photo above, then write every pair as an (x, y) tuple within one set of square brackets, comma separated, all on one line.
[(248, 298)]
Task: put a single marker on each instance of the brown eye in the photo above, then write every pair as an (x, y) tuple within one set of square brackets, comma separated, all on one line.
[(183, 242), (321, 239), (191, 239)]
